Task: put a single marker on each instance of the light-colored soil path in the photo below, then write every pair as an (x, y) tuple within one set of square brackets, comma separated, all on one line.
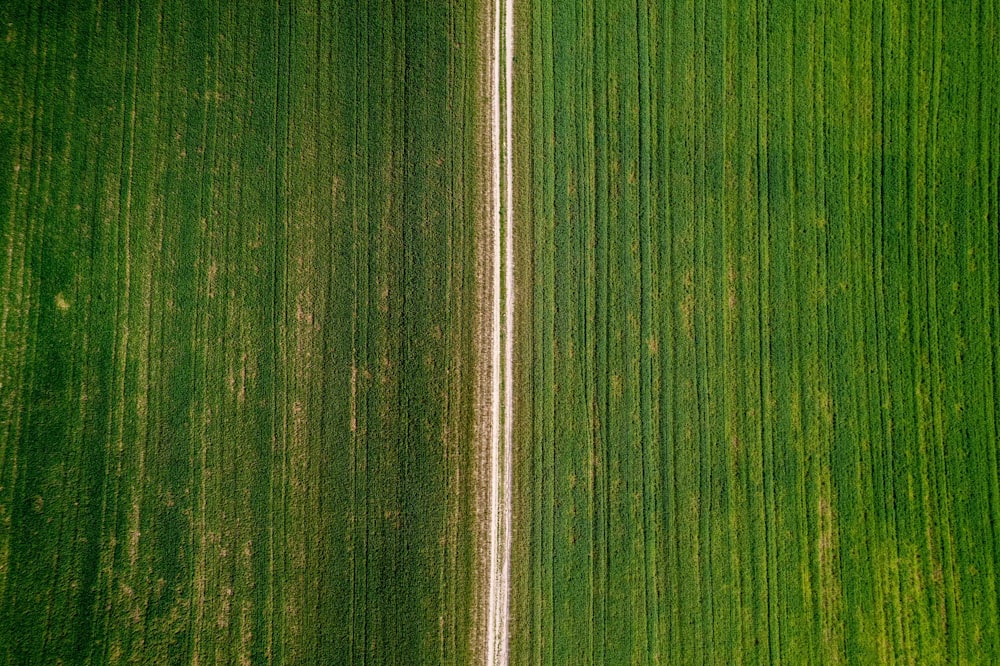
[(502, 342)]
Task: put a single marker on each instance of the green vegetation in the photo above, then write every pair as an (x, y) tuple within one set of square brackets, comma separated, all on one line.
[(758, 369), (236, 372), (757, 353)]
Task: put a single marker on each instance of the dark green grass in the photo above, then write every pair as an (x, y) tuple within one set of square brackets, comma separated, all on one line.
[(236, 370), (758, 293)]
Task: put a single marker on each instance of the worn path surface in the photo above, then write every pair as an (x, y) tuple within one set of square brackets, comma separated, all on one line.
[(501, 405)]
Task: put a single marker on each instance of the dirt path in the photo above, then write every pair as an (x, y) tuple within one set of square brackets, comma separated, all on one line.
[(502, 343)]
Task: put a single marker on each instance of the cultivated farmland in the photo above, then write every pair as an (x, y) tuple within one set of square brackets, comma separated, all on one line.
[(257, 354), (237, 365), (757, 272)]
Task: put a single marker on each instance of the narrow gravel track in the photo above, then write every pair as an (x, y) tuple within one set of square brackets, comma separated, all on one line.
[(501, 409)]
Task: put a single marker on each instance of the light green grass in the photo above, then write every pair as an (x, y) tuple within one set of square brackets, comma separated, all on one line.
[(758, 278)]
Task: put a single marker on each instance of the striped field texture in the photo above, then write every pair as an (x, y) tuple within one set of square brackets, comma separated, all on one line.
[(237, 274), (757, 370)]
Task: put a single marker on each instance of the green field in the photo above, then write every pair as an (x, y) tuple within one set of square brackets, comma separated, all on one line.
[(236, 367), (244, 274), (758, 381)]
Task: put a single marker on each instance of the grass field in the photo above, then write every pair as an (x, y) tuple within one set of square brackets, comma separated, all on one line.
[(236, 366), (758, 302), (245, 279)]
